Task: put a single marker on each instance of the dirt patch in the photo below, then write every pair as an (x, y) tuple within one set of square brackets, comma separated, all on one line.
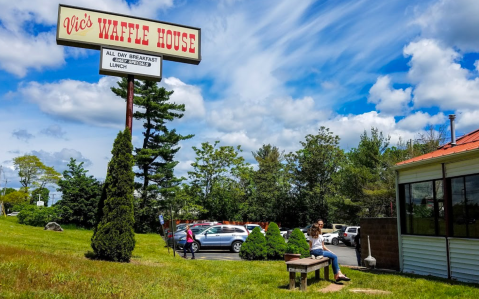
[(332, 288), (370, 291)]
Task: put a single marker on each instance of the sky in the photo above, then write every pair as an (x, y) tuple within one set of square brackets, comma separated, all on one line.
[(271, 73)]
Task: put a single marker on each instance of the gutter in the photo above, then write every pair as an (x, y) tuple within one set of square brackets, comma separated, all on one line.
[(436, 159)]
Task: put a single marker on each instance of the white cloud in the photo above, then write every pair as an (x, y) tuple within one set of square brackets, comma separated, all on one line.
[(439, 80), (419, 120), (20, 52), (454, 22), (293, 113), (55, 131), (188, 95), (91, 103), (389, 100)]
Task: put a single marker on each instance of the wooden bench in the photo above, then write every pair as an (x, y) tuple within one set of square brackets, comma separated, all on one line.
[(304, 266)]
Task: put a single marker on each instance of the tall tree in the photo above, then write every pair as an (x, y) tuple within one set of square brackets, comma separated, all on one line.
[(314, 167), (156, 158), (218, 179), (114, 237), (29, 168), (47, 175), (267, 180), (80, 195), (368, 177)]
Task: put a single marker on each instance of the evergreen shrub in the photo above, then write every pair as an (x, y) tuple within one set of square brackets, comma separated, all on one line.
[(114, 238), (254, 248), (275, 244), (298, 239)]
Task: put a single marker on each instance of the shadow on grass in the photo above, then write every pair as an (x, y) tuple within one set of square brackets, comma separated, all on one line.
[(417, 276), (91, 255)]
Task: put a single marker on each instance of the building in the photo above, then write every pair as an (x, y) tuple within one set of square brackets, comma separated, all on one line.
[(437, 195)]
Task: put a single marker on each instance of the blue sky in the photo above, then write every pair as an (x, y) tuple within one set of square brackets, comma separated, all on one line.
[(271, 72)]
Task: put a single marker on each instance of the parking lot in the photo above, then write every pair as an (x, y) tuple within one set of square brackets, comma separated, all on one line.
[(346, 255)]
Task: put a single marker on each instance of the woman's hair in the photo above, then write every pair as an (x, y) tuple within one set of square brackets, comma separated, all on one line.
[(315, 230)]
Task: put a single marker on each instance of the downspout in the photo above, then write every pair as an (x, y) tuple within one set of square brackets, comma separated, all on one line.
[(398, 220), (445, 190)]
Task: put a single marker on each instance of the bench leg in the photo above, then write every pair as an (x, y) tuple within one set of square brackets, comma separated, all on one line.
[(304, 281), (317, 275), (326, 273), (292, 280)]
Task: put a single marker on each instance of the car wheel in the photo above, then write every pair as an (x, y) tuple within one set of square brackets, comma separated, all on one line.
[(195, 246), (236, 246), (335, 241)]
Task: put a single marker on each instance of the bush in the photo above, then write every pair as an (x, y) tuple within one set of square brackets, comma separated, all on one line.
[(290, 248), (254, 248), (297, 239), (275, 244), (114, 238), (37, 216)]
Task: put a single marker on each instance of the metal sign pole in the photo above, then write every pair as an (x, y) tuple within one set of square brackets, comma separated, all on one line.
[(129, 103)]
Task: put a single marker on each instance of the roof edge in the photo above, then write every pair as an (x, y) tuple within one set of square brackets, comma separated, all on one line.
[(435, 159)]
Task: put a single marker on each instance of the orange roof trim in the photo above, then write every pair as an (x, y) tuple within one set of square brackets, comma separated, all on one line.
[(464, 143)]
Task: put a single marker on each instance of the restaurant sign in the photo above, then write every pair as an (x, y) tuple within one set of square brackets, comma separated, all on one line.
[(86, 28), (121, 63)]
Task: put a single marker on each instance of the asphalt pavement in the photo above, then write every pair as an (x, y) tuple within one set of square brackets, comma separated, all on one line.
[(346, 255)]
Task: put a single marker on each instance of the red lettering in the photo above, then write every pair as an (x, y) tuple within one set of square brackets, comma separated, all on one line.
[(168, 44), (145, 30), (176, 41), (137, 40), (161, 37), (130, 26), (184, 45), (74, 23), (123, 26), (114, 32), (192, 43), (104, 31)]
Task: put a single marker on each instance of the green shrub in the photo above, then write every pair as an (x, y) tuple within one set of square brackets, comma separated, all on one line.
[(254, 248), (291, 248), (37, 216), (114, 238), (297, 239), (275, 244)]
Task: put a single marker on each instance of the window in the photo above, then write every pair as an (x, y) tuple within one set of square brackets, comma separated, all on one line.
[(420, 206), (465, 206), (239, 230), (214, 230), (352, 230), (228, 230)]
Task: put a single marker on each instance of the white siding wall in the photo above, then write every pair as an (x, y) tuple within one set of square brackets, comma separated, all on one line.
[(465, 167), (424, 255), (424, 173), (464, 257)]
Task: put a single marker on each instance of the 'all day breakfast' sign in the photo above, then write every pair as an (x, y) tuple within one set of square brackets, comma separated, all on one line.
[(121, 63), (80, 27)]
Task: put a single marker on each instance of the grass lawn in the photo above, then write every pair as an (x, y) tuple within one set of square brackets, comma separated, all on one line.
[(41, 264)]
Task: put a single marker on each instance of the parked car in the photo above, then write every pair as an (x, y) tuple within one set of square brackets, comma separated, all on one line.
[(219, 236), (329, 228), (13, 214), (332, 238), (347, 234), (288, 234), (250, 228)]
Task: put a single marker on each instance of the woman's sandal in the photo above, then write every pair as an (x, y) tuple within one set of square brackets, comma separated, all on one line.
[(343, 278)]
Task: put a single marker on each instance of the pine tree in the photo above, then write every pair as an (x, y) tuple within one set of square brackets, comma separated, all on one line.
[(155, 159), (114, 238), (298, 239), (275, 244)]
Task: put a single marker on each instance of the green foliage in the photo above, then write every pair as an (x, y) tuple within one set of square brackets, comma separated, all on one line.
[(32, 171), (37, 216), (219, 181), (275, 244), (254, 248), (114, 238), (80, 195), (297, 239), (155, 159)]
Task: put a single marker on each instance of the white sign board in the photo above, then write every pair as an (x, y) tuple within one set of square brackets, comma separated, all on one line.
[(121, 63), (40, 203), (162, 221)]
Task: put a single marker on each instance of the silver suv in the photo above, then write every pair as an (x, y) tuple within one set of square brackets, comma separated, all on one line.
[(220, 236), (347, 234)]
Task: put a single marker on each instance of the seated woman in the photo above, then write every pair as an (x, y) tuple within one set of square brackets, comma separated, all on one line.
[(317, 248)]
